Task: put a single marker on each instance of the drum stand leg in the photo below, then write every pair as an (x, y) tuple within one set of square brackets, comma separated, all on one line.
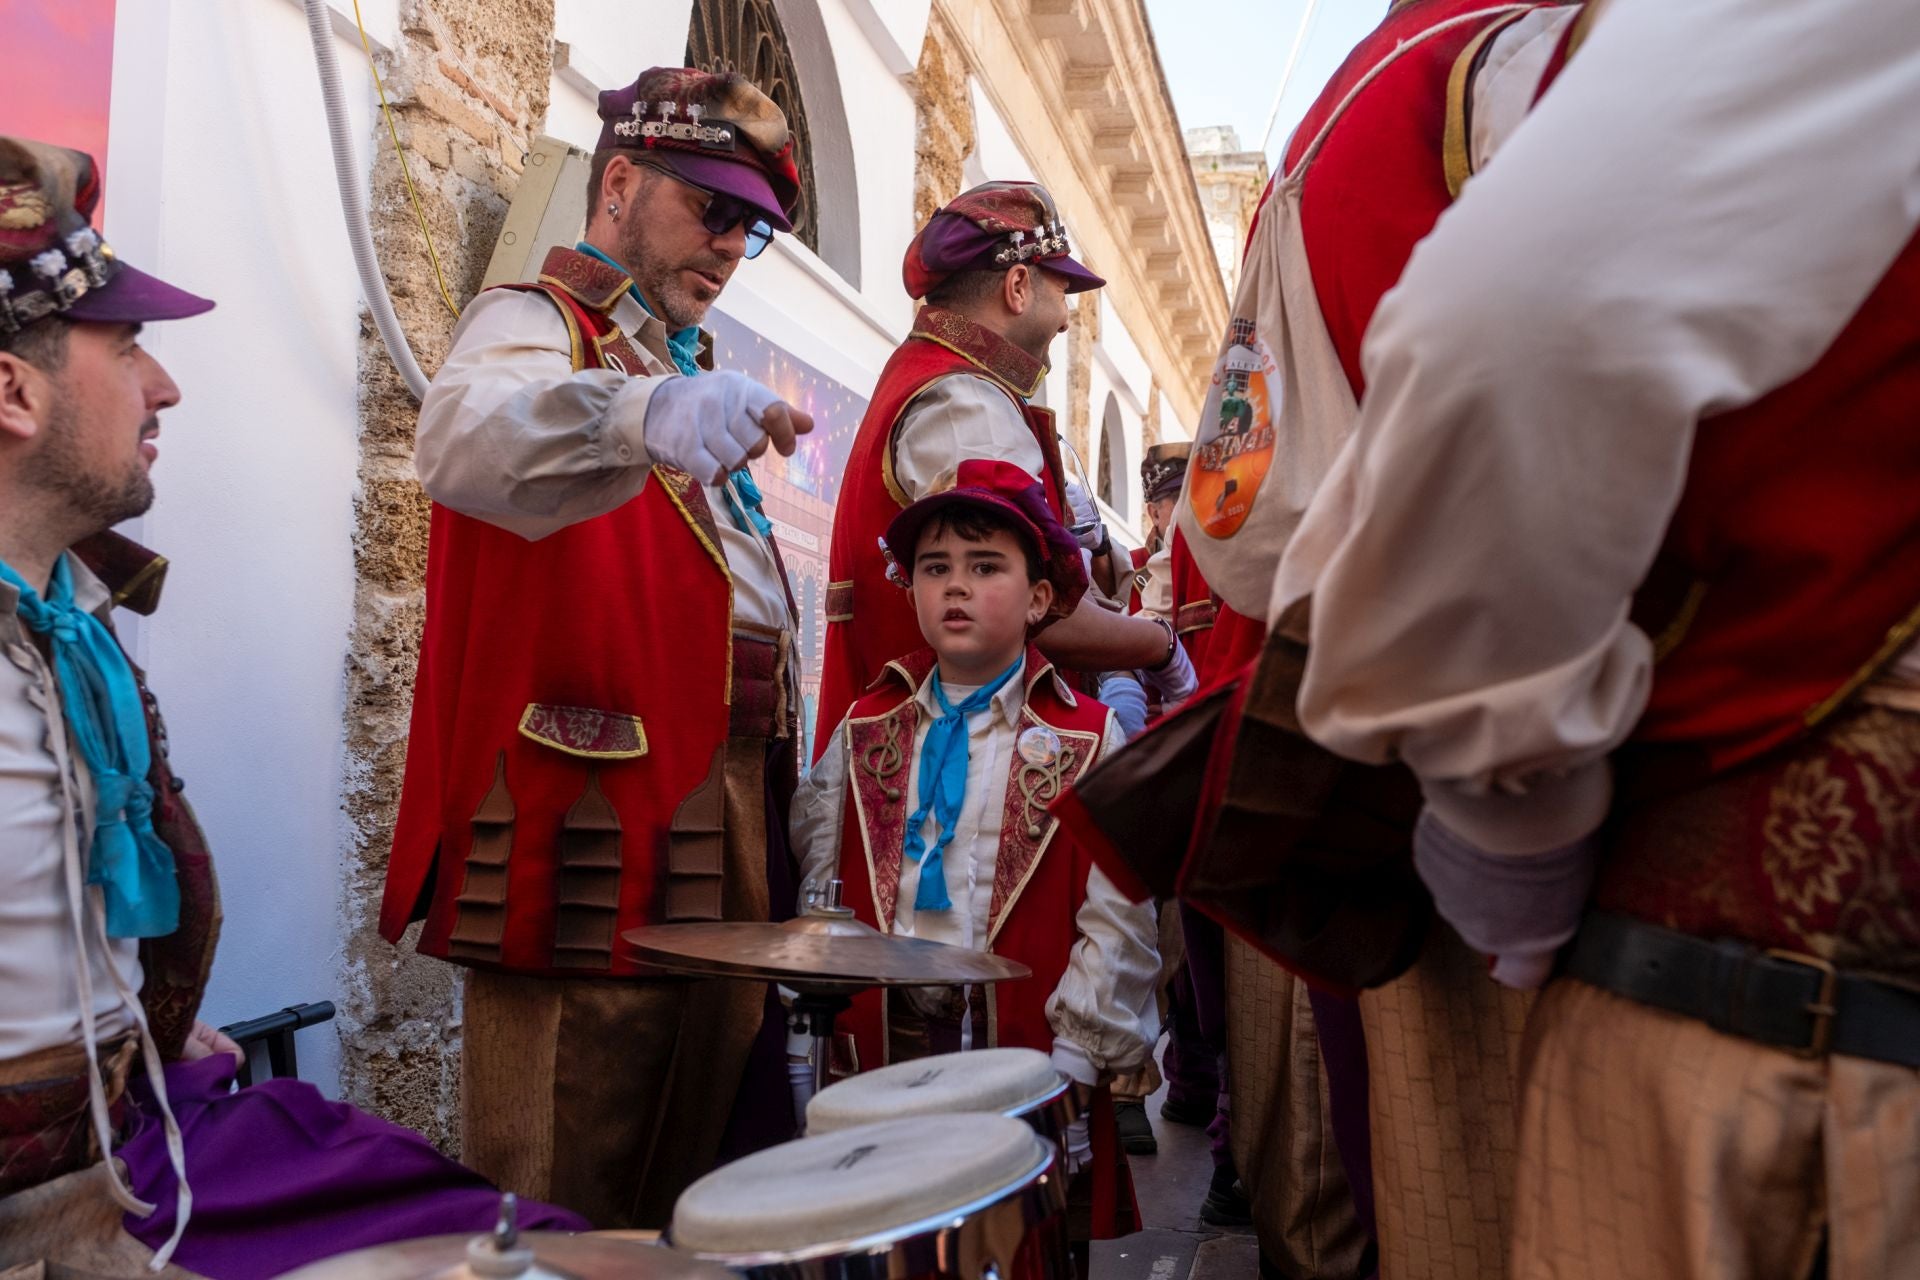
[(820, 1010)]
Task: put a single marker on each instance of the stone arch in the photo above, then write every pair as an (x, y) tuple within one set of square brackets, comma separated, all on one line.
[(782, 46)]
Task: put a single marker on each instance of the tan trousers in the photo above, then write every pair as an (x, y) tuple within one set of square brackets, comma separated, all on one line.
[(70, 1229), (1443, 1061), (610, 1096), (1282, 1129), (1653, 1145)]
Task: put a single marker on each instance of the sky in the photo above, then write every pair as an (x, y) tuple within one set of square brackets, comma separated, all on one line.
[(1223, 58)]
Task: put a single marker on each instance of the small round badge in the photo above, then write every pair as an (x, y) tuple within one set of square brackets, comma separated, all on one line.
[(1039, 746)]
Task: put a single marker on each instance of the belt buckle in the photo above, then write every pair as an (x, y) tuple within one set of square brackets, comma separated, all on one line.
[(1821, 1007)]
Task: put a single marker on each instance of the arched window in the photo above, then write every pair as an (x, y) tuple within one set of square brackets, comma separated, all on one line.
[(747, 36), (1113, 472)]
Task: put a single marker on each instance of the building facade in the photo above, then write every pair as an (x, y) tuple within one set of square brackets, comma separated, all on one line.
[(288, 505)]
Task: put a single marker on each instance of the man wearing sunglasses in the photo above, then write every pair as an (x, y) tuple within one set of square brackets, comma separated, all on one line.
[(602, 726)]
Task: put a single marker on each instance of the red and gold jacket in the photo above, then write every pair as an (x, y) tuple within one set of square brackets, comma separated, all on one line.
[(573, 694), (43, 1127), (869, 619), (1040, 876)]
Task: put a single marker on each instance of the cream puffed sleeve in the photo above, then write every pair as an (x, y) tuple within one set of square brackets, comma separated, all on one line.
[(511, 434), (1685, 223), (958, 418), (1104, 1013), (818, 812)]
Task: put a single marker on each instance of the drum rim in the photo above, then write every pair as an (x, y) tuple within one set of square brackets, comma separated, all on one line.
[(1062, 1083), (1062, 1086), (1047, 1157)]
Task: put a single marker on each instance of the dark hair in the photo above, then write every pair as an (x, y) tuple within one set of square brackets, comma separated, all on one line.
[(42, 344), (971, 523), (597, 172), (966, 288)]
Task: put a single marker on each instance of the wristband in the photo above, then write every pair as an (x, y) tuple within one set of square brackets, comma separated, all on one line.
[(1173, 645)]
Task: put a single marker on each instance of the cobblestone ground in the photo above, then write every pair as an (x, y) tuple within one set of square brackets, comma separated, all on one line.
[(1176, 1245)]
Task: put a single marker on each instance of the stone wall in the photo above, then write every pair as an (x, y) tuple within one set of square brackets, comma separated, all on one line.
[(469, 89), (946, 137), (1083, 335)]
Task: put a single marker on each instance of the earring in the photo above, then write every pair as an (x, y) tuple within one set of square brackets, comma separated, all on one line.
[(613, 211)]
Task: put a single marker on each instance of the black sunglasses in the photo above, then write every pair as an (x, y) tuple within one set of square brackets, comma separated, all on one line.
[(725, 212)]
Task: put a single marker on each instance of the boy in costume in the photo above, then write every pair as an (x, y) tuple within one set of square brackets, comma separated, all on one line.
[(930, 802)]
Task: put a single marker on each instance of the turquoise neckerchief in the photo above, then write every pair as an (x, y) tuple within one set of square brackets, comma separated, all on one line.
[(101, 699), (943, 785), (684, 348)]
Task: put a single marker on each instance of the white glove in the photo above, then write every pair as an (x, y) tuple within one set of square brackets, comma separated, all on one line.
[(708, 426), (1079, 1146), (1518, 908), (800, 1080), (1088, 528), (1175, 681)]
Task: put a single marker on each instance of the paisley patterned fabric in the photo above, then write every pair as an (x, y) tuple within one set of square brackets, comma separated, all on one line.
[(1814, 848)]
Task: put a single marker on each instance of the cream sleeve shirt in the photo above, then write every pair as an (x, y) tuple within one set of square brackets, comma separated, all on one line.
[(1103, 1012), (1685, 223), (960, 417), (511, 434)]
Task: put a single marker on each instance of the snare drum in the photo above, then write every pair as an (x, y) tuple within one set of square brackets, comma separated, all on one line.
[(1014, 1082), (960, 1197)]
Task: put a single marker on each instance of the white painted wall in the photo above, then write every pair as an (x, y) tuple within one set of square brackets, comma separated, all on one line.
[(223, 182), (882, 119)]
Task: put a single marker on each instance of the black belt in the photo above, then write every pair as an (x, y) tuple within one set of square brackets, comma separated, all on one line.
[(1782, 998)]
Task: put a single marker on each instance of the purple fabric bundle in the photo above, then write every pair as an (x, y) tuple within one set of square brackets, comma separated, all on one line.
[(282, 1177)]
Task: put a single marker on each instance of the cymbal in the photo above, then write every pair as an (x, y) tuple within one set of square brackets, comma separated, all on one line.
[(826, 951), (594, 1256)]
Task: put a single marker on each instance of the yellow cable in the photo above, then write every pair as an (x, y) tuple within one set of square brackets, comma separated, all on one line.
[(400, 154)]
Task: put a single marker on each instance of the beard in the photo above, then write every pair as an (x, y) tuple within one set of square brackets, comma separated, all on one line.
[(659, 280), (99, 501)]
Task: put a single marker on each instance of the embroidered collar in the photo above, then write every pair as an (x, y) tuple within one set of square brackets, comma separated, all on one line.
[(912, 670), (1005, 363), (683, 345)]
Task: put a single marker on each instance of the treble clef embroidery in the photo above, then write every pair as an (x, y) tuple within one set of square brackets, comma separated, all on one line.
[(1040, 785), (882, 760)]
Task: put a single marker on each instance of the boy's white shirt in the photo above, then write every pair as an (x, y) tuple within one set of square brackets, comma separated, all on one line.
[(1104, 1012)]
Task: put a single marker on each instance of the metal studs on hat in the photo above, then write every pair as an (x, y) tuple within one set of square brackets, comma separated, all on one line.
[(1049, 239)]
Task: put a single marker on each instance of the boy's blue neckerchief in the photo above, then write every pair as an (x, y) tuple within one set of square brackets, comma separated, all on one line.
[(943, 785), (684, 348)]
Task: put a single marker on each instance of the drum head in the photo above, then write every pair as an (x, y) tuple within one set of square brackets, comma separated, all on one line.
[(856, 1185), (999, 1080)]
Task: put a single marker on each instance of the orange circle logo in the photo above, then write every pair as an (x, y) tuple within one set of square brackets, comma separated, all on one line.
[(1235, 448)]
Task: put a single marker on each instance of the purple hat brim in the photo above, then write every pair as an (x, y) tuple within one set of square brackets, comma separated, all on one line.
[(134, 297), (741, 181), (1078, 278)]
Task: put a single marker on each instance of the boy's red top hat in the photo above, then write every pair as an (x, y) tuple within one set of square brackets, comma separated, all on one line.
[(1013, 491)]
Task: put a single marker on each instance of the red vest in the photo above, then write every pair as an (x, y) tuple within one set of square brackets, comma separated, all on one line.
[(1040, 879), (1138, 558), (870, 621), (572, 692), (1791, 570)]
